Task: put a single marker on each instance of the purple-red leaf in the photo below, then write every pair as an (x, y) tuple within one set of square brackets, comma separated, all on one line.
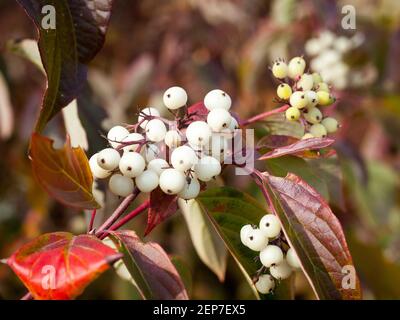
[(60, 265), (64, 173), (198, 112), (316, 235), (150, 267), (162, 206), (298, 147), (77, 36)]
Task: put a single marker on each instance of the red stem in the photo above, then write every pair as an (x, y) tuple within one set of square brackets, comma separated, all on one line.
[(118, 212), (264, 115), (145, 205), (90, 228)]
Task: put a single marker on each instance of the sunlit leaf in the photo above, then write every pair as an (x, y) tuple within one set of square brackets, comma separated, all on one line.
[(60, 265), (64, 173)]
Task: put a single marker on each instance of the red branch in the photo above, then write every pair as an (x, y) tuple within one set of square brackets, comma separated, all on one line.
[(264, 115)]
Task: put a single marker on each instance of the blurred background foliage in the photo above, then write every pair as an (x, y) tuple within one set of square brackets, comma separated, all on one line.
[(229, 44)]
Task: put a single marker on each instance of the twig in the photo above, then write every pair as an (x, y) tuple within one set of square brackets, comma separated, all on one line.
[(93, 216)]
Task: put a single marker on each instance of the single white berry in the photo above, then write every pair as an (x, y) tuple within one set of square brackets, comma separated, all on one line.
[(306, 82), (172, 181), (231, 131), (296, 67), (292, 114), (280, 69), (147, 181), (131, 138), (313, 115), (281, 270), (108, 159), (217, 99), (207, 168), (121, 185), (312, 98), (97, 171), (158, 165), (318, 130), (298, 99), (132, 164), (175, 97), (317, 79), (270, 225), (147, 112), (219, 119), (172, 139), (150, 152), (116, 134), (244, 231), (271, 255), (265, 284), (198, 133), (183, 158), (256, 240), (155, 130), (292, 259), (331, 125), (191, 189)]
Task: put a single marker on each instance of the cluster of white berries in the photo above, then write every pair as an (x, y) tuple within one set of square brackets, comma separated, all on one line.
[(329, 50), (177, 156), (265, 239), (305, 93)]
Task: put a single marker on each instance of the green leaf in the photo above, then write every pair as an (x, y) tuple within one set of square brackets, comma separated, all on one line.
[(67, 49), (207, 243), (229, 210)]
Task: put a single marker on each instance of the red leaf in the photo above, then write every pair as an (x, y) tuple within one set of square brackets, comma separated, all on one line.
[(152, 270), (60, 265), (162, 206), (298, 147), (198, 112), (316, 235), (65, 173), (274, 141)]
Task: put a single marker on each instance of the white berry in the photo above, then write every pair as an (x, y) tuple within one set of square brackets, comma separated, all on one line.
[(131, 138), (190, 190), (292, 259), (207, 168), (271, 255), (158, 165), (331, 125), (298, 100), (175, 97), (244, 231), (156, 130), (121, 185), (183, 158), (318, 130), (117, 133), (147, 181), (172, 181), (256, 240), (218, 147), (312, 98), (217, 99), (108, 159), (132, 164), (306, 82), (172, 139), (313, 115), (147, 112), (270, 225), (281, 270), (265, 284), (97, 171), (280, 69), (198, 133), (150, 152), (219, 119)]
